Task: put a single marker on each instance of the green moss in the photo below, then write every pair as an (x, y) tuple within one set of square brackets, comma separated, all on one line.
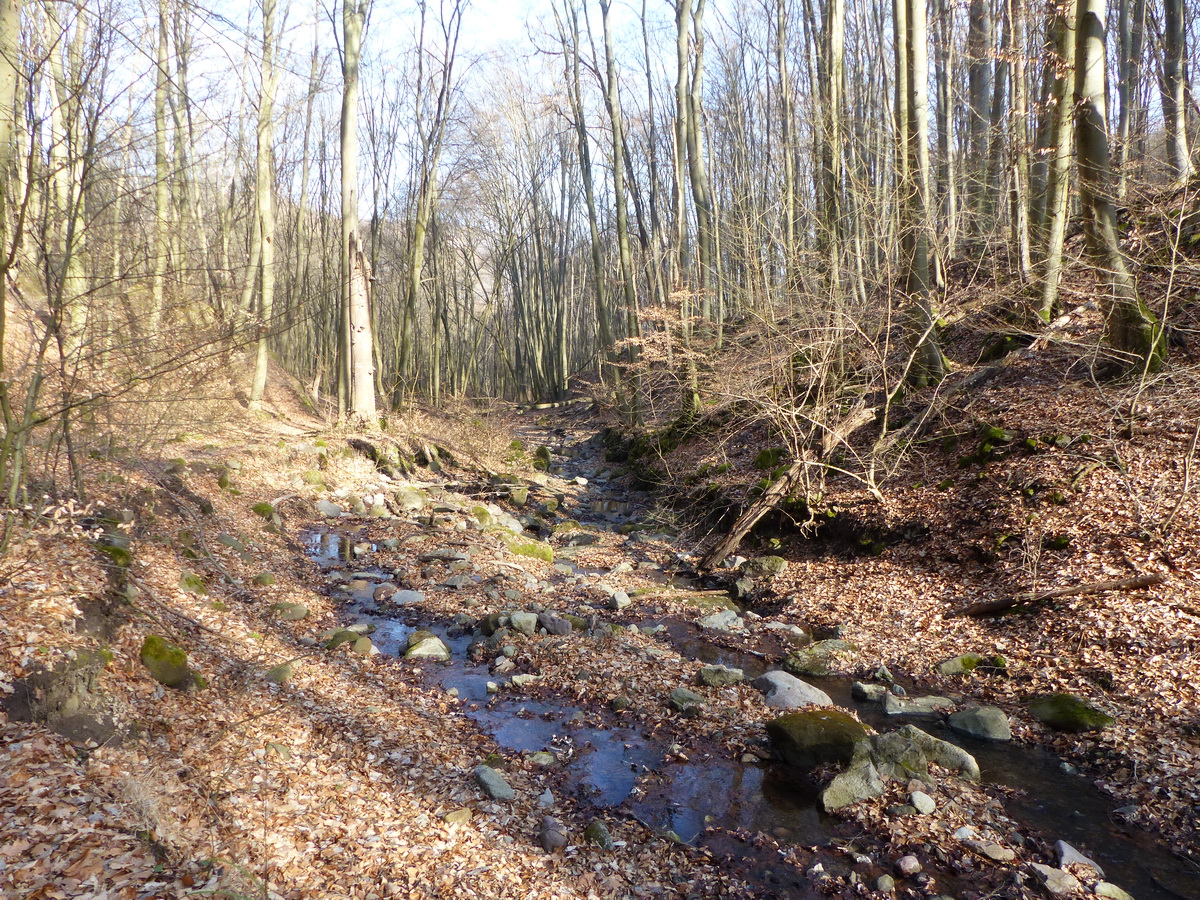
[(168, 663), (192, 583), (517, 445), (1066, 712), (313, 477), (541, 459), (1057, 542), (264, 579), (769, 458), (529, 548), (815, 737), (263, 509), (280, 674)]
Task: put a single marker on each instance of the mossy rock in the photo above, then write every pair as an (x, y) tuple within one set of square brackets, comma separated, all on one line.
[(264, 510), (117, 551), (339, 637), (969, 662), (290, 612), (232, 542), (1066, 712), (483, 516), (517, 445), (706, 602), (281, 674), (769, 458), (765, 565), (814, 737), (597, 833), (519, 546), (192, 583), (167, 662), (819, 659), (313, 477), (541, 459), (264, 579)]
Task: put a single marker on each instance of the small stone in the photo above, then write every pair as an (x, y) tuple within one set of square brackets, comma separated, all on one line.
[(493, 688), (922, 803), (1111, 891), (493, 784), (922, 707), (725, 620), (459, 816), (545, 799), (784, 691), (908, 866), (597, 833), (686, 702), (524, 622), (885, 884), (553, 624), (552, 835), (966, 833), (871, 693), (619, 600), (524, 680), (543, 758), (992, 850)]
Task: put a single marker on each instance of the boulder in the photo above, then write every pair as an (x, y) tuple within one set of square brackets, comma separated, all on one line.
[(986, 722), (819, 659), (1066, 712), (425, 645), (719, 676), (814, 737), (493, 784), (871, 693), (784, 691)]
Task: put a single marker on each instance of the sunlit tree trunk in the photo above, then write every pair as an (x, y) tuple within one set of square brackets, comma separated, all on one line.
[(359, 365), (1058, 170), (1130, 326), (265, 200), (1174, 90), (162, 185)]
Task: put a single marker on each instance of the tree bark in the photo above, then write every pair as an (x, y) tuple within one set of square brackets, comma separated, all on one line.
[(264, 182), (1058, 172), (1174, 91), (1130, 326)]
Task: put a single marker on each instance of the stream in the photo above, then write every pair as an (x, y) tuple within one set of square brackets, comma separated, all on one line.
[(700, 801)]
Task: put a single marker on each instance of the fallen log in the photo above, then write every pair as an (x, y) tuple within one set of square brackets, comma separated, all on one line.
[(991, 607)]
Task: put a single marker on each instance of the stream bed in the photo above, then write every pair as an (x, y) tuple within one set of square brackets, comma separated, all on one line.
[(624, 769)]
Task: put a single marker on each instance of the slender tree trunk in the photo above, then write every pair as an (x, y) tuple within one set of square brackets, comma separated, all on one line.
[(1174, 90), (944, 64), (979, 54), (1130, 326), (697, 171), (264, 196), (1129, 85), (360, 363), (1058, 173), (833, 56), (162, 185), (1018, 142)]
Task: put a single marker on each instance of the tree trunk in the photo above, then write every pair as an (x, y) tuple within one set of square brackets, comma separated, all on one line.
[(979, 55), (162, 186), (264, 196), (1058, 172), (1130, 326), (359, 364), (1174, 90)]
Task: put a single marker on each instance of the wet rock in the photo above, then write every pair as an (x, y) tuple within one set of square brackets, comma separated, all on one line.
[(1055, 881), (908, 866), (859, 782), (784, 691), (719, 676), (985, 722), (819, 659), (597, 833), (726, 620), (554, 624), (686, 702), (493, 784), (791, 633), (922, 803), (524, 622), (542, 758), (871, 693), (426, 645), (813, 737), (552, 835), (1066, 712), (1069, 856), (917, 707)]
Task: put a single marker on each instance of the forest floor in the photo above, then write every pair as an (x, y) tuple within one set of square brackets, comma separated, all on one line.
[(293, 769)]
